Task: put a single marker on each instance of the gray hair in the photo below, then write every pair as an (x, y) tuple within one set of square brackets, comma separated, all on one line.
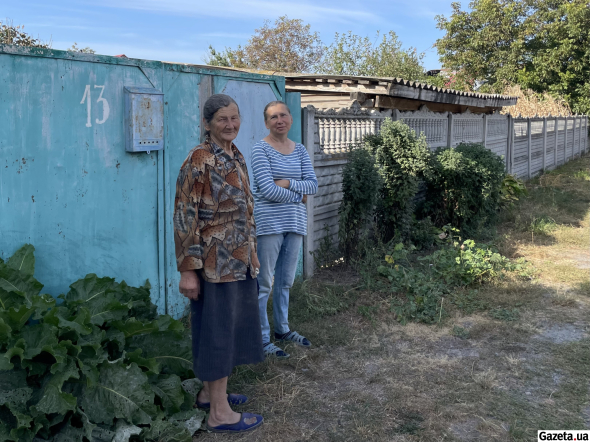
[(274, 103), (214, 103)]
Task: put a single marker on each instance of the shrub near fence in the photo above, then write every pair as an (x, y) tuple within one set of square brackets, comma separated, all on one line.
[(526, 152)]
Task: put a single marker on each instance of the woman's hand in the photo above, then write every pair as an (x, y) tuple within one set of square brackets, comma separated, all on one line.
[(304, 199), (255, 265), (283, 183), (189, 285)]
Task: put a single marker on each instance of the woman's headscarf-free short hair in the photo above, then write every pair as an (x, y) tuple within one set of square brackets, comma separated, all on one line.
[(214, 103), (274, 103)]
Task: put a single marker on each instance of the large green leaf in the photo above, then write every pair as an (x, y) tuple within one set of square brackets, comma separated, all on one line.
[(52, 398), (38, 338), (17, 350), (11, 299), (23, 260), (191, 419), (5, 333), (18, 299), (61, 318), (162, 430), (89, 288), (171, 349), (122, 392), (169, 389), (132, 327), (106, 308), (124, 431), (16, 318), (70, 433), (14, 390), (151, 364), (14, 281), (26, 428)]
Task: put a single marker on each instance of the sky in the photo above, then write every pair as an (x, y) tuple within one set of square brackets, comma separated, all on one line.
[(182, 30)]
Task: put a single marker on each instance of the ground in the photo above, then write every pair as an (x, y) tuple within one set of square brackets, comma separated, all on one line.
[(514, 359)]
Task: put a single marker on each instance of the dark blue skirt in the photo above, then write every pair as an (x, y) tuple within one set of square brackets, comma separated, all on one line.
[(225, 326)]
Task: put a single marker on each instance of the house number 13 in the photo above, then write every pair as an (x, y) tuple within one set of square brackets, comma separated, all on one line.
[(105, 105)]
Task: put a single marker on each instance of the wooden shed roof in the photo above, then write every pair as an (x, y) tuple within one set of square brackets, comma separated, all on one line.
[(391, 87)]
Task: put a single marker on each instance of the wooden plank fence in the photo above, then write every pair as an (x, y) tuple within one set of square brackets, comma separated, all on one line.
[(528, 145)]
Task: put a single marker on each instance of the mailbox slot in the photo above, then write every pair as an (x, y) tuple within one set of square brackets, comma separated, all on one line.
[(144, 119)]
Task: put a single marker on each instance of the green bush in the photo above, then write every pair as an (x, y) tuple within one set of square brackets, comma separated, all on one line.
[(424, 284), (100, 365), (361, 184), (403, 160), (467, 264), (511, 191), (464, 189)]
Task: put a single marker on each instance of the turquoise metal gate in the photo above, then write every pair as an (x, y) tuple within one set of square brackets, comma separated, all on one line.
[(69, 187)]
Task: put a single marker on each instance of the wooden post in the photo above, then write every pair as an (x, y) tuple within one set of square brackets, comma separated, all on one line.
[(579, 136), (511, 141), (485, 129), (508, 157), (544, 142), (450, 131), (574, 137), (308, 122), (565, 143), (585, 133), (556, 130), (529, 143)]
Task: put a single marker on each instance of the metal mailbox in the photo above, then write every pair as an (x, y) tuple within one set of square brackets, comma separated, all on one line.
[(144, 119)]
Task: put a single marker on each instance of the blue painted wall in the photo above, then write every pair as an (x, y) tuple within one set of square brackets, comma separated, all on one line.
[(67, 184)]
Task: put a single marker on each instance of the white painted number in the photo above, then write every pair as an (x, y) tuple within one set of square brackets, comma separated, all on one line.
[(88, 104), (105, 105)]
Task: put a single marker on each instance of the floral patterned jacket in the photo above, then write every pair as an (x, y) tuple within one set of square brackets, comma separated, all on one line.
[(214, 229)]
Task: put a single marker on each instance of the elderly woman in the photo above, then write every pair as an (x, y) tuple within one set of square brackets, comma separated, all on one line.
[(283, 177), (215, 238)]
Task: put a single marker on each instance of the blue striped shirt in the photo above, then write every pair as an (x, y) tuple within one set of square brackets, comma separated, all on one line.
[(276, 209)]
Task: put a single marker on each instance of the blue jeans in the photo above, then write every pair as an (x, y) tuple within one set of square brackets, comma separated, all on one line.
[(279, 254)]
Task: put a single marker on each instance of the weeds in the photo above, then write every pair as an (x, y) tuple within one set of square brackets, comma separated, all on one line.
[(460, 332), (505, 314)]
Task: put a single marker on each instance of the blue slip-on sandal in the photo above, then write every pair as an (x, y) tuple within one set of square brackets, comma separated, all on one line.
[(272, 350), (293, 336), (247, 422), (233, 399)]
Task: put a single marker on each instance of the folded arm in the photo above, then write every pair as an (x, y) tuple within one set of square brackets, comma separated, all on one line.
[(266, 184)]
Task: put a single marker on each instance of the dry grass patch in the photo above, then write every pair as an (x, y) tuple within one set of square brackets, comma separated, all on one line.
[(506, 360)]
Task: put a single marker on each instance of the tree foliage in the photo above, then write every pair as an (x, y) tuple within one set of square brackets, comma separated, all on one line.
[(288, 45), (352, 54), (465, 187), (543, 45), (86, 50), (361, 184), (403, 159), (15, 35)]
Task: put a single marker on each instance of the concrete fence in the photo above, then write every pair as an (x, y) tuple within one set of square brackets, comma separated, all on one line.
[(528, 146)]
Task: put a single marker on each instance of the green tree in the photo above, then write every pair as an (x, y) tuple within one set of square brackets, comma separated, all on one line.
[(287, 46), (351, 54), (543, 45), (15, 35), (86, 50)]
